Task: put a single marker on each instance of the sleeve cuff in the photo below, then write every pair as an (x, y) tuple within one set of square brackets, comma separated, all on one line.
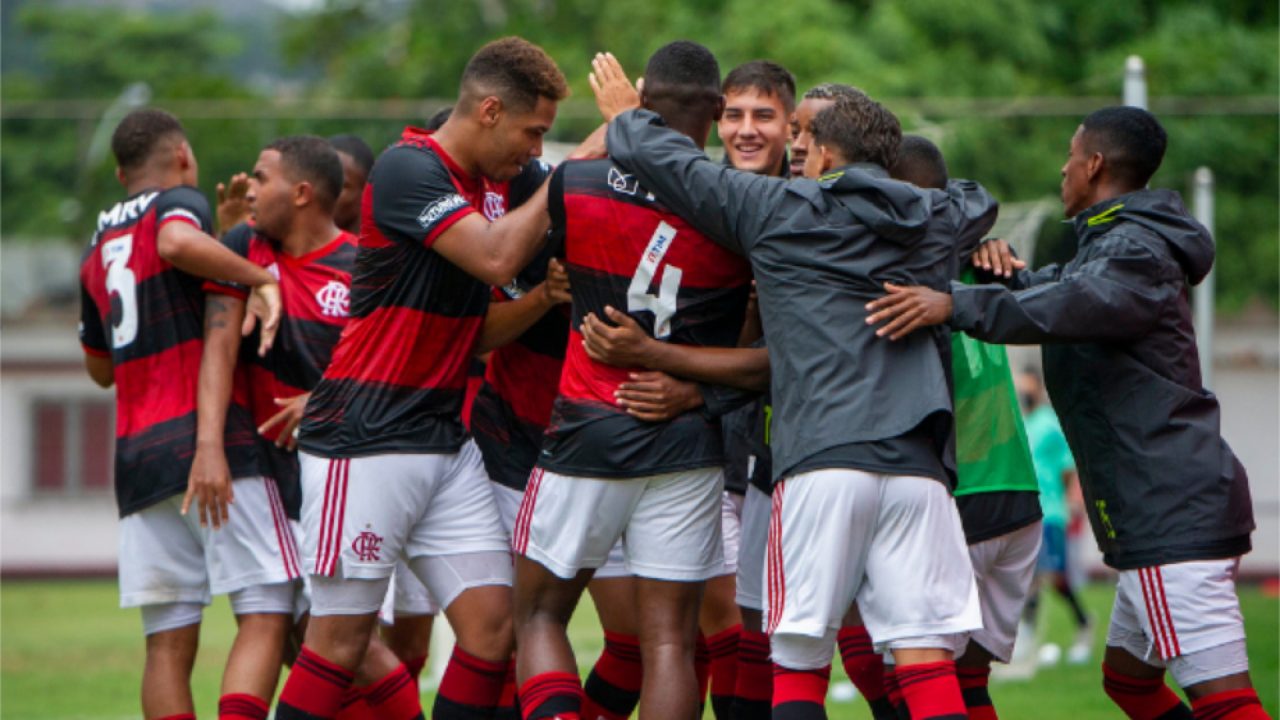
[(96, 352), (445, 224)]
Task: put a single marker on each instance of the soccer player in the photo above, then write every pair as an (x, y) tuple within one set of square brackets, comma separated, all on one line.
[(1167, 498), (141, 314), (357, 162), (759, 100), (387, 470), (996, 490), (251, 480), (859, 437), (1056, 474), (604, 474)]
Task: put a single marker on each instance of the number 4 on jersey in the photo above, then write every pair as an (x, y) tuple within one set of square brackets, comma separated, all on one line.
[(662, 305)]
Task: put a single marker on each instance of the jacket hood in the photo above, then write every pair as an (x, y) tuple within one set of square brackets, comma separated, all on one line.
[(893, 210), (1161, 212)]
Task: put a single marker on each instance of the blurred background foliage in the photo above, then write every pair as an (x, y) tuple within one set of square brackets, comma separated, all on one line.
[(1000, 84)]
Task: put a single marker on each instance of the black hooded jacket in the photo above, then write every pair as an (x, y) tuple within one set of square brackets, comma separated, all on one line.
[(1121, 366)]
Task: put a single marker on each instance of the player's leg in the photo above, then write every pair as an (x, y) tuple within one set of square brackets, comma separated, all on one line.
[(254, 559), (808, 591), (1186, 617), (753, 686), (1003, 569), (162, 572), (863, 665), (407, 618), (612, 688), (919, 598), (356, 515), (718, 619), (461, 552), (673, 545), (566, 525)]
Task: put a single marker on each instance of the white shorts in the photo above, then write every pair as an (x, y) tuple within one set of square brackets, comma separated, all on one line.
[(755, 536), (1165, 612), (893, 543), (508, 502), (166, 557), (360, 516), (1003, 568), (669, 523), (731, 530), (407, 597)]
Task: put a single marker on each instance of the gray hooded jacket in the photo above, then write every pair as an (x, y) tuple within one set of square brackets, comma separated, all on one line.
[(1120, 361), (820, 250)]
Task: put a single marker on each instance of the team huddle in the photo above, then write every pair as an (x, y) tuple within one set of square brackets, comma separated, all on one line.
[(749, 406)]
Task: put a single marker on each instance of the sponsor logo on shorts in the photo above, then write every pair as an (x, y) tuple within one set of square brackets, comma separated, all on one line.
[(438, 209), (367, 545)]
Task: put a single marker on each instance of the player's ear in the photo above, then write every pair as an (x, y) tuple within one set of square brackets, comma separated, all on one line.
[(303, 194), (1093, 167), (828, 158), (124, 180), (491, 109)]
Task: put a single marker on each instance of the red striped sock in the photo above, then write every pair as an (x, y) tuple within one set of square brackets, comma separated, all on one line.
[(799, 694), (508, 707), (551, 695), (723, 647), (973, 688), (395, 696), (315, 688), (470, 688), (753, 686), (702, 667), (1240, 704), (865, 667), (355, 706), (415, 665), (893, 691), (932, 691), (242, 706), (1142, 698), (612, 690)]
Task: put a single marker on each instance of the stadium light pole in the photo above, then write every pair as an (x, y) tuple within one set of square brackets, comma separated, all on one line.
[(1202, 208)]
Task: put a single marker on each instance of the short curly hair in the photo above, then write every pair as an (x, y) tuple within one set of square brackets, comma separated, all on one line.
[(140, 133), (860, 128), (516, 71)]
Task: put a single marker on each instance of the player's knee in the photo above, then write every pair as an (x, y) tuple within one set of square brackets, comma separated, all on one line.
[(802, 652)]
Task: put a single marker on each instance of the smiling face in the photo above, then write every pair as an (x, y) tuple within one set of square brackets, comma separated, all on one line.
[(515, 138), (754, 130), (802, 135)]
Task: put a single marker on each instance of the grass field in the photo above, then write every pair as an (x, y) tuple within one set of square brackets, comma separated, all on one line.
[(67, 651)]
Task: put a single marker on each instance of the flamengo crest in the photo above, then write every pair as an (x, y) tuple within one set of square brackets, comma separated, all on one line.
[(334, 299)]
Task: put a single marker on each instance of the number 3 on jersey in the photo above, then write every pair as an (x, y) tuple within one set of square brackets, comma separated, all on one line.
[(662, 305), (122, 284)]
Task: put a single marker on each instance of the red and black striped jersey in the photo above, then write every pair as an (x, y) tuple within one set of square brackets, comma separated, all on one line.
[(625, 249), (513, 407), (399, 372), (147, 316), (314, 290)]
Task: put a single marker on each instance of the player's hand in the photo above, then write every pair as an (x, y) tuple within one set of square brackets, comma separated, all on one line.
[(656, 396), (209, 487), (614, 93), (907, 309), (264, 307), (996, 257), (289, 417), (233, 202), (555, 289), (624, 344)]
